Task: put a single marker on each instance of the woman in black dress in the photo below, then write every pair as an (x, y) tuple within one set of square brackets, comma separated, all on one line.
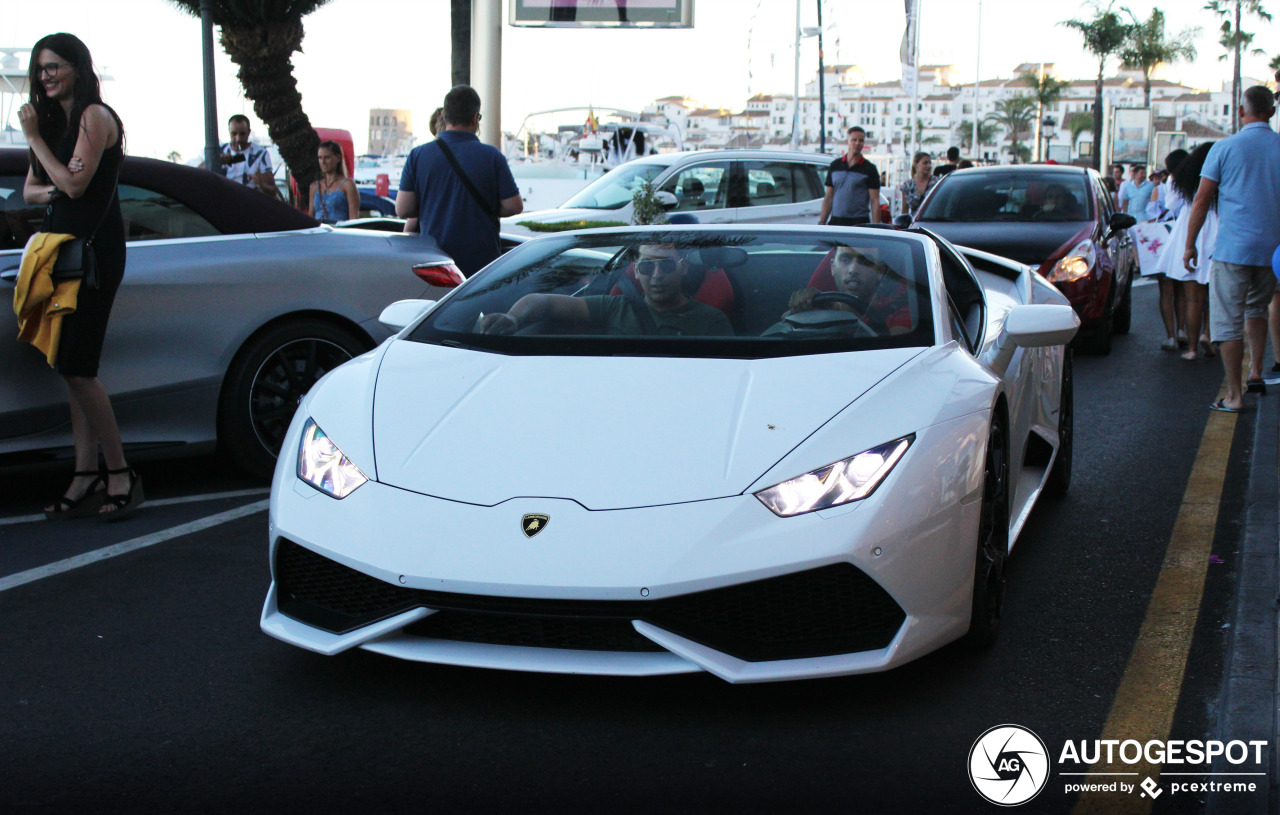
[(76, 150)]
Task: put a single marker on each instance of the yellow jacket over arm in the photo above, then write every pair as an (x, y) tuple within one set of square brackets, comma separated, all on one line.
[(39, 304)]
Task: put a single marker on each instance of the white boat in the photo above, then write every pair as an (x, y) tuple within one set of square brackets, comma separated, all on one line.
[(551, 166)]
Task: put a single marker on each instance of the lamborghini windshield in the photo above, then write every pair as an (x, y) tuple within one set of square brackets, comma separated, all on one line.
[(728, 292)]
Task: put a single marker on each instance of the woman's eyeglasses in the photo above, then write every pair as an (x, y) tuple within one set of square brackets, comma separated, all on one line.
[(647, 266), (51, 69)]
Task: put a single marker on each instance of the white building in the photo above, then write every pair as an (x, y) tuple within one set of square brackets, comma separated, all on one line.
[(943, 103)]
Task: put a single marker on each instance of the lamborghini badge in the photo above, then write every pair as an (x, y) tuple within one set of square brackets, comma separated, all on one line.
[(533, 524)]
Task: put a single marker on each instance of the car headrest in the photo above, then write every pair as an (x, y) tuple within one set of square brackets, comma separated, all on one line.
[(722, 257)]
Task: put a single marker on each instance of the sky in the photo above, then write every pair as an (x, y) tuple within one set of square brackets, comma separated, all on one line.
[(362, 54)]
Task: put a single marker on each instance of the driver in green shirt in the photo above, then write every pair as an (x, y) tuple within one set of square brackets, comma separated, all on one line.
[(660, 270)]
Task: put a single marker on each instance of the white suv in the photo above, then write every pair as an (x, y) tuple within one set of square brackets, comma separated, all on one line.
[(714, 186)]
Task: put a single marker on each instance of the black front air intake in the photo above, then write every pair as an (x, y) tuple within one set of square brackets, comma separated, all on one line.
[(836, 609)]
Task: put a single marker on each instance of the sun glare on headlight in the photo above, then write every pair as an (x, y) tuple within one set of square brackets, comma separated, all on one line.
[(322, 465), (850, 479)]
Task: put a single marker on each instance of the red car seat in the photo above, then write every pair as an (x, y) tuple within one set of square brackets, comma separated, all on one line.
[(706, 285)]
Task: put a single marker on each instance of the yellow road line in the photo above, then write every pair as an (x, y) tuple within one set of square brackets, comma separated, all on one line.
[(1148, 694)]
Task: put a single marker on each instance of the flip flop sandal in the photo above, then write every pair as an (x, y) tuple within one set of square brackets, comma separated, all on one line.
[(65, 509), (125, 505), (1220, 406), (1256, 386)]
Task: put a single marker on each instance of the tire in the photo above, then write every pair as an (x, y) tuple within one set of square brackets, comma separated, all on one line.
[(267, 380), (1059, 480), (1124, 312), (1097, 338), (992, 544)]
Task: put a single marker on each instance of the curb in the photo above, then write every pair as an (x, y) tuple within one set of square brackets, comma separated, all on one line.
[(1249, 694)]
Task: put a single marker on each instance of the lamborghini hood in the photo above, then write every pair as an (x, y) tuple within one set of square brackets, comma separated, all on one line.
[(607, 432)]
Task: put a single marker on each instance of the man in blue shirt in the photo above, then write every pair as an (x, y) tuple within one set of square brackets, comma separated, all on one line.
[(1243, 171), (1135, 195), (457, 187)]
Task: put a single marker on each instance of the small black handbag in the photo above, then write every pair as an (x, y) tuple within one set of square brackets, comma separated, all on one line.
[(76, 259)]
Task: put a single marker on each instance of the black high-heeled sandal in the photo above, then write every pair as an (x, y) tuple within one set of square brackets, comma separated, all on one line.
[(125, 505), (65, 508)]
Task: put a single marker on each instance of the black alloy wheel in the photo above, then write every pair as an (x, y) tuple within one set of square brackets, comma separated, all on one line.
[(1096, 339), (267, 381), (1059, 480), (993, 542), (1124, 312)]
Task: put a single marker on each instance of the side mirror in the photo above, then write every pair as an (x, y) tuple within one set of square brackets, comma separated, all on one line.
[(1121, 220), (403, 312), (902, 221), (1032, 326), (668, 200), (1035, 326)]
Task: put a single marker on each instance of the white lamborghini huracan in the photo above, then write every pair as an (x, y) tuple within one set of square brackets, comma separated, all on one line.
[(763, 452)]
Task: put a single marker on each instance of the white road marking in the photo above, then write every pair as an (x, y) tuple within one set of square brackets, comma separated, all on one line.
[(164, 502), (51, 569)]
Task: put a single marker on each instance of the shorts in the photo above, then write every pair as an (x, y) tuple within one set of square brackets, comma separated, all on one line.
[(1237, 293), (861, 219)]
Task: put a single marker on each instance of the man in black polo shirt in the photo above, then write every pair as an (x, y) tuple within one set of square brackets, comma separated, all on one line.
[(953, 158), (853, 187)]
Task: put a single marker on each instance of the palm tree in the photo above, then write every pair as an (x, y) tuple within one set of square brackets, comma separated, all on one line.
[(921, 139), (1047, 91), (1014, 115), (1077, 124), (260, 37), (1104, 35), (1235, 41), (1148, 47), (986, 133)]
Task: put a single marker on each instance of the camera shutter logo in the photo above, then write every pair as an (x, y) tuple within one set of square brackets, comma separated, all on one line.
[(1008, 765)]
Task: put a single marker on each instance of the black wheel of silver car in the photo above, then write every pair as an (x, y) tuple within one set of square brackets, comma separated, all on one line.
[(993, 532), (1059, 480), (267, 380)]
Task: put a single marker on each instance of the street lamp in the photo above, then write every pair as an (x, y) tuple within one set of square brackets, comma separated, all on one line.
[(1047, 131), (804, 34)]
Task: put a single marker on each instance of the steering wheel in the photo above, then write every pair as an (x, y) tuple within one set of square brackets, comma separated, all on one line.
[(826, 298), (808, 320)]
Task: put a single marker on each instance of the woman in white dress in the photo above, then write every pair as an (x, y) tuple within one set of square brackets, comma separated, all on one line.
[(1180, 191)]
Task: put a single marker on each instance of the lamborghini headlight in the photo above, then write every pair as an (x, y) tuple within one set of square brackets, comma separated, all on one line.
[(850, 479), (1075, 264), (322, 465)]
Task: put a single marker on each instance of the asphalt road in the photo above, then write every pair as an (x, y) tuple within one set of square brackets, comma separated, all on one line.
[(142, 683)]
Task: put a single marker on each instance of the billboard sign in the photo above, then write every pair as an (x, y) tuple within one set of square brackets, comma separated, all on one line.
[(602, 13), (1131, 136)]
